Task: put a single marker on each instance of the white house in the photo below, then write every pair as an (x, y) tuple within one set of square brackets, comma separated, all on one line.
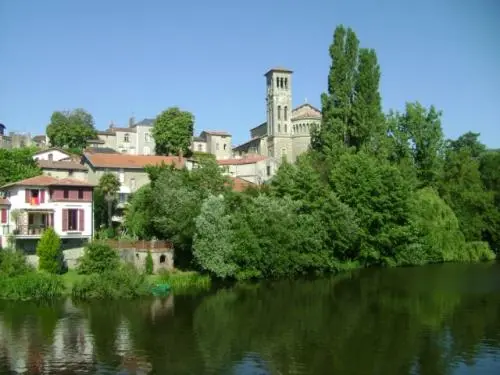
[(256, 169), (52, 154), (30, 206)]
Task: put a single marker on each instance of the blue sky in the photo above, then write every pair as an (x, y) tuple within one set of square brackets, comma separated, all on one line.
[(118, 58)]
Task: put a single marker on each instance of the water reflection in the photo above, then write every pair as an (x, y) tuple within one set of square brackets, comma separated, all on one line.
[(428, 320)]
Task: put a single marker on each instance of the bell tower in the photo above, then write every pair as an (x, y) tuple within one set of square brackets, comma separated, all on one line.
[(279, 110)]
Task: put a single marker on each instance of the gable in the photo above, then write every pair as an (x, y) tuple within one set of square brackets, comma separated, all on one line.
[(54, 154), (306, 111)]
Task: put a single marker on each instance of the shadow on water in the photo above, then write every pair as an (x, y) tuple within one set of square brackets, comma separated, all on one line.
[(442, 319)]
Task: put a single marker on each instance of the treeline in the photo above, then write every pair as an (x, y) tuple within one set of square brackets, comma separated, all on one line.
[(375, 189)]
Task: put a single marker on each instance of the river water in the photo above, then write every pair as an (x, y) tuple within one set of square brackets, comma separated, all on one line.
[(442, 319)]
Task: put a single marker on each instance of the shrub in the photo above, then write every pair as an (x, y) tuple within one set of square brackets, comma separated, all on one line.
[(98, 258), (184, 281), (12, 263), (50, 253), (149, 267), (478, 251), (31, 285), (124, 282)]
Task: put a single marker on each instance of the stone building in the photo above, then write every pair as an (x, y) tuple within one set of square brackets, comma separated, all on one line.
[(136, 139), (287, 131), (217, 143)]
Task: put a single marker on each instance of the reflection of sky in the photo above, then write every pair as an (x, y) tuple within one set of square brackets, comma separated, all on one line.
[(251, 364), (485, 363)]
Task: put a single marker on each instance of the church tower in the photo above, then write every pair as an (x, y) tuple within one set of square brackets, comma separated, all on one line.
[(279, 111)]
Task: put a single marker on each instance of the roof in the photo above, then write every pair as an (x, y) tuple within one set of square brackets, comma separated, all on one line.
[(254, 140), (278, 69), (240, 184), (62, 165), (48, 181), (52, 149), (247, 160), (101, 160), (145, 122), (258, 126), (100, 141), (4, 201), (311, 112), (38, 138), (126, 130), (101, 150), (216, 132), (198, 139)]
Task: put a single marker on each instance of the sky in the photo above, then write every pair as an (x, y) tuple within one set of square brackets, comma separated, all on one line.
[(123, 58)]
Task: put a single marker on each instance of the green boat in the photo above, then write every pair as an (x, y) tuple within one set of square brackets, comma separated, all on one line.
[(160, 290)]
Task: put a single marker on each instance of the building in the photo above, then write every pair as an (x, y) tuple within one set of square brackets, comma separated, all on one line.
[(218, 143), (15, 140), (129, 169), (256, 169), (286, 132), (136, 139), (60, 164), (32, 205)]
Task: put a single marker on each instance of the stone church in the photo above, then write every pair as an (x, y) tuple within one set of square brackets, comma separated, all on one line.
[(287, 131)]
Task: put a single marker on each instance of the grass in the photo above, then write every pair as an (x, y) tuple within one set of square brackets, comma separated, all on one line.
[(183, 281)]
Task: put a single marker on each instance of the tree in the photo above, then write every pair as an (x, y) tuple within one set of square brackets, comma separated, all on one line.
[(71, 129), (212, 243), (17, 164), (109, 186), (49, 252), (172, 132), (98, 258), (148, 264)]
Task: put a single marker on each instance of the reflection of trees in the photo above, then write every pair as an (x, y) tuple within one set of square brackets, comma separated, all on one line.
[(376, 322)]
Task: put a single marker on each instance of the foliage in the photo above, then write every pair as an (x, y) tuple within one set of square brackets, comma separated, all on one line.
[(49, 252), (17, 164), (120, 283), (139, 213), (182, 282), (12, 263), (172, 132), (31, 285), (212, 243), (478, 251), (148, 264), (98, 257), (71, 129), (106, 194)]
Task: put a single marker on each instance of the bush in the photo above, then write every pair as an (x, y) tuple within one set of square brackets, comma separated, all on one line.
[(124, 282), (184, 281), (478, 251), (12, 263), (31, 285), (149, 267), (50, 253), (98, 258)]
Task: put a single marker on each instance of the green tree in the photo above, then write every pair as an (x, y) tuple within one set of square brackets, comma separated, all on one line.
[(49, 252), (17, 164), (468, 141), (212, 243), (109, 187), (71, 129), (172, 132), (98, 257), (148, 264), (139, 214)]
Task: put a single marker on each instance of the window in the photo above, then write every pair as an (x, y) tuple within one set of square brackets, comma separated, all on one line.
[(200, 147), (268, 170), (73, 219), (225, 146), (279, 128), (217, 146), (66, 194), (286, 83), (80, 194), (277, 82), (70, 173), (147, 137), (286, 128), (51, 157), (285, 114), (132, 183), (126, 137), (279, 112), (146, 151), (3, 219)]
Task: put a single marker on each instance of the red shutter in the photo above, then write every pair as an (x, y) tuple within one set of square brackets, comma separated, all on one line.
[(65, 220), (27, 195), (81, 220), (4, 215), (87, 195), (42, 196)]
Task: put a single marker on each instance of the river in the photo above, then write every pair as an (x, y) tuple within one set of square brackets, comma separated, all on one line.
[(439, 319)]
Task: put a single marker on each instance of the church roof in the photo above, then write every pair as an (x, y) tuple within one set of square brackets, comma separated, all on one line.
[(278, 69)]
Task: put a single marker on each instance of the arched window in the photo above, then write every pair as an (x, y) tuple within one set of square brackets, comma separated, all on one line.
[(277, 82), (126, 137), (279, 112), (286, 83), (285, 113)]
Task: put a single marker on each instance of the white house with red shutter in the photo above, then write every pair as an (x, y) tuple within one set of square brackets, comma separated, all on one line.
[(30, 206)]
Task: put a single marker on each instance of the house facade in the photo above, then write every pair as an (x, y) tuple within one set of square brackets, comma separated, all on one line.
[(32, 205), (136, 139), (218, 143), (256, 169)]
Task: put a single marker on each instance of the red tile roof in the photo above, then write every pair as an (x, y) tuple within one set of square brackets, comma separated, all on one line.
[(240, 184), (247, 160), (49, 181), (131, 161), (4, 202)]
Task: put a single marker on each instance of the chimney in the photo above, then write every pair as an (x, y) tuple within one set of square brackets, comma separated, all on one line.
[(131, 121)]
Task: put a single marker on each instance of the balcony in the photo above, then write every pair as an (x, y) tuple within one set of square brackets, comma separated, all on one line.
[(30, 230)]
